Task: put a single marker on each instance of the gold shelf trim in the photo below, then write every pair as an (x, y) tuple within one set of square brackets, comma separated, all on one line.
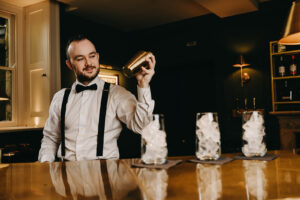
[(285, 112), (287, 102), (286, 77), (285, 52)]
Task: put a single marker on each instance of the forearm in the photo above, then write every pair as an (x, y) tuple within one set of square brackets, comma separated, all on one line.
[(48, 150), (137, 113), (51, 133), (49, 143)]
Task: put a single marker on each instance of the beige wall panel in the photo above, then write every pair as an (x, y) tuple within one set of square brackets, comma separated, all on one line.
[(39, 100), (36, 37), (37, 62)]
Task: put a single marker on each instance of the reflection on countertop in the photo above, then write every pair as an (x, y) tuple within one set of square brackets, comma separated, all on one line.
[(116, 179), (106, 179), (153, 183), (209, 181), (256, 182)]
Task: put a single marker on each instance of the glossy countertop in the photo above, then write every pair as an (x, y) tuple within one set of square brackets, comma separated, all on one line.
[(116, 179)]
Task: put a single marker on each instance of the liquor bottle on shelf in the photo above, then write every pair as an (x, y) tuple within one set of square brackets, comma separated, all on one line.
[(286, 93), (237, 103), (281, 68), (246, 104), (281, 47), (293, 67)]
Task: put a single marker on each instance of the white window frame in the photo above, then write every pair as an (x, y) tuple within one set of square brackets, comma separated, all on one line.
[(11, 64)]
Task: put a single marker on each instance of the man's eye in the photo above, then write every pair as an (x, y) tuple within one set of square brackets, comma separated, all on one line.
[(92, 56), (79, 59)]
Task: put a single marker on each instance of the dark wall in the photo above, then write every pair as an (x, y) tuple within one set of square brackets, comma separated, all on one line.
[(24, 145), (111, 44), (194, 70), (218, 43)]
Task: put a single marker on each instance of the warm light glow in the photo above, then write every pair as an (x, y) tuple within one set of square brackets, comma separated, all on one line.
[(4, 99), (36, 121), (245, 77), (113, 79), (38, 99), (243, 47), (242, 63)]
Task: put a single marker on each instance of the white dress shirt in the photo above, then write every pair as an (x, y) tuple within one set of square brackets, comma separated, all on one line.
[(82, 117)]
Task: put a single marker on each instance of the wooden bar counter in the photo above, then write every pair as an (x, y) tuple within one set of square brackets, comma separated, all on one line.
[(116, 179)]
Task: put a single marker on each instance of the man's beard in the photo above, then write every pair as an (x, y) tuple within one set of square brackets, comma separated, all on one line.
[(81, 77)]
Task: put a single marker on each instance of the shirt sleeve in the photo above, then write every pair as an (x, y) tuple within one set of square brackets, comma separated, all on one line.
[(135, 113), (51, 133)]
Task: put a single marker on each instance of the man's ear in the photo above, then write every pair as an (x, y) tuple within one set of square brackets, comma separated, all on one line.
[(68, 63)]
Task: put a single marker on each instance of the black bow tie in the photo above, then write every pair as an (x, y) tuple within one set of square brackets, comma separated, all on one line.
[(80, 88)]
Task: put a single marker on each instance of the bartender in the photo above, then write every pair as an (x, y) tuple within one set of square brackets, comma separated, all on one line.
[(85, 120)]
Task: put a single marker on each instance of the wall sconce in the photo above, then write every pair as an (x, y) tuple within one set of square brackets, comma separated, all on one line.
[(291, 34), (245, 77)]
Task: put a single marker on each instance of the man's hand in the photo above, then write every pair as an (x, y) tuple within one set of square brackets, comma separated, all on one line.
[(144, 76)]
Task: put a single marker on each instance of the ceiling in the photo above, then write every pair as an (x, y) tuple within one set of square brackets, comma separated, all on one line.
[(129, 15)]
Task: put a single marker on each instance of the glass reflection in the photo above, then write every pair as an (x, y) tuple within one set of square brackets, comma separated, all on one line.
[(96, 179), (5, 95), (256, 182), (209, 181), (4, 46), (153, 183)]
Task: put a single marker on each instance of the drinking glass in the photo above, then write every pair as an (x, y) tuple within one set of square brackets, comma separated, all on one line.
[(208, 144), (154, 146), (253, 134)]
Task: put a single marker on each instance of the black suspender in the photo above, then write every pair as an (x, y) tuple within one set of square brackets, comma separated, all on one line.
[(62, 121), (101, 123), (65, 179), (105, 179)]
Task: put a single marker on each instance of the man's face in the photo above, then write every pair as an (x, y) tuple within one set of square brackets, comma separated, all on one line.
[(84, 60)]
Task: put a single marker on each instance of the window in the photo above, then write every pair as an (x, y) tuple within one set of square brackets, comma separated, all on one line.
[(7, 67)]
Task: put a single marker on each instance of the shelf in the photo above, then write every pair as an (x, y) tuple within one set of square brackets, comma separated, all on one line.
[(286, 102), (239, 112), (283, 107), (286, 52), (292, 112), (286, 77)]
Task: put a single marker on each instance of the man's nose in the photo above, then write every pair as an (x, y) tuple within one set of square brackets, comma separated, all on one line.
[(88, 61)]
